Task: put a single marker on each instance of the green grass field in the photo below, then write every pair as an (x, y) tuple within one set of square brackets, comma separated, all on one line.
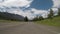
[(52, 22), (8, 21)]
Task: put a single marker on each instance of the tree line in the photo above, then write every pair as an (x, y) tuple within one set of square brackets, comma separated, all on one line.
[(50, 16)]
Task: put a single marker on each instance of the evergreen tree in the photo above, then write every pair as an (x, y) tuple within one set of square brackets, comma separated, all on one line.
[(26, 19), (41, 18), (35, 19), (51, 14), (38, 18), (58, 11)]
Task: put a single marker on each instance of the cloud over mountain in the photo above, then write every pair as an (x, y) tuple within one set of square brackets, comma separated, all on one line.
[(17, 7)]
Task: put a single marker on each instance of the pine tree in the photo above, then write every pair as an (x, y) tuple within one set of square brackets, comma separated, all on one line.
[(35, 19), (26, 19), (41, 18), (58, 11), (51, 14)]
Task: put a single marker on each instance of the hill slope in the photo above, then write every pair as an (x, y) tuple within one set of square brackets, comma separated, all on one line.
[(9, 16), (53, 22)]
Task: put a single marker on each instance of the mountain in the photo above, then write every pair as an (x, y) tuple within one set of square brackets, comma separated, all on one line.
[(9, 16)]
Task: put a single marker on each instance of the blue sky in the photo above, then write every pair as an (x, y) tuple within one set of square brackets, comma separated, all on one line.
[(29, 8), (42, 4)]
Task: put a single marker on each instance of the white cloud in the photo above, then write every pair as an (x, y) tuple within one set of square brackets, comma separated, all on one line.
[(55, 11), (30, 15), (56, 3), (20, 3), (44, 13), (20, 12)]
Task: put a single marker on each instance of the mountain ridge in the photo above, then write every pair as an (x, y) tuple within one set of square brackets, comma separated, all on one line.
[(9, 16)]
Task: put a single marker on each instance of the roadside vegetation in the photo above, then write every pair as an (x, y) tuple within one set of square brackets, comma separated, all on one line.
[(7, 21), (50, 20)]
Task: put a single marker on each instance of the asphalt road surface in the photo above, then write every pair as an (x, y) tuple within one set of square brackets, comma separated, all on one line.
[(27, 28)]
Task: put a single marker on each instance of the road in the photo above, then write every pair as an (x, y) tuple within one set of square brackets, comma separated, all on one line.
[(27, 28)]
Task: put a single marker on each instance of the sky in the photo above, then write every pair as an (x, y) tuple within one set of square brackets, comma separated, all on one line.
[(29, 8)]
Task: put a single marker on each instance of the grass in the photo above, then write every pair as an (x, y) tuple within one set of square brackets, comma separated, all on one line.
[(8, 21), (52, 22)]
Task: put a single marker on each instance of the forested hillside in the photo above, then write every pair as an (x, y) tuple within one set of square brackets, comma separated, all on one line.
[(9, 16)]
